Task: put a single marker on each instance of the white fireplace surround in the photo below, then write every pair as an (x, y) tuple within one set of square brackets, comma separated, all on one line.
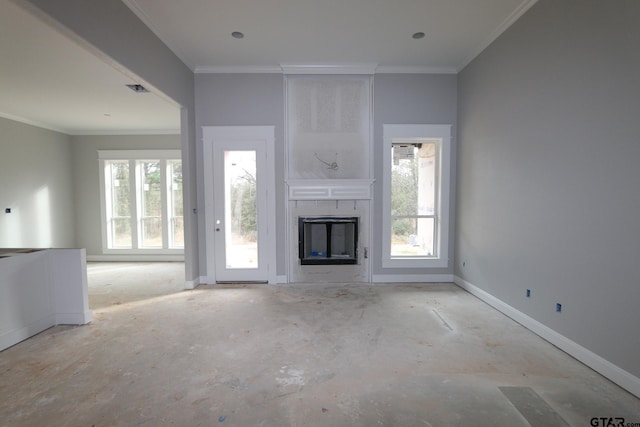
[(329, 189), (329, 198)]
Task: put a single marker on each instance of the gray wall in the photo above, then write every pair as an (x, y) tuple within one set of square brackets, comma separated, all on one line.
[(548, 175), (258, 99), (243, 100), (114, 31), (86, 176), (411, 99), (36, 184)]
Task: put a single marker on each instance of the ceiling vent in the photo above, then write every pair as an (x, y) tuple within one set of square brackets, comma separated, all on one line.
[(138, 88)]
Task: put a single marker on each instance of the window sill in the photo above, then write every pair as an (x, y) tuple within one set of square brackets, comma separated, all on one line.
[(415, 262)]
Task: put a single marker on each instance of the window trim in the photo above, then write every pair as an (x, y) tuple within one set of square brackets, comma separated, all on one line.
[(134, 156), (443, 132)]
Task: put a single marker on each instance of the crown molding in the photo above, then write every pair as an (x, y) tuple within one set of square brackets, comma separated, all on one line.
[(32, 123), (356, 68), (250, 69), (513, 17), (390, 69), (126, 132), (323, 69)]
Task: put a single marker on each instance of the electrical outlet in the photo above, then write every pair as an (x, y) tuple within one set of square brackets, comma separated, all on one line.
[(528, 293), (558, 307), (7, 210)]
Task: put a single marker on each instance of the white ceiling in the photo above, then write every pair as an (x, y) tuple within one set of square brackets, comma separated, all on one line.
[(51, 81), (328, 31)]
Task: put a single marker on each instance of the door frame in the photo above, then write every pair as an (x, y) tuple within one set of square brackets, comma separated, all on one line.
[(266, 134)]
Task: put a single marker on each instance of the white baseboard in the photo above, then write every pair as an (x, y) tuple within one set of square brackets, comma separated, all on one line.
[(135, 258), (412, 278), (13, 337), (192, 284), (282, 279), (74, 318), (613, 372)]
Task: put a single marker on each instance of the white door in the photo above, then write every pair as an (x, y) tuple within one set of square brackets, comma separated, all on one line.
[(240, 216)]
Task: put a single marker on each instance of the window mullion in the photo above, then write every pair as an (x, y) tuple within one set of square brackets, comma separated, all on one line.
[(140, 170), (164, 203), (135, 200), (438, 196), (433, 226), (107, 185)]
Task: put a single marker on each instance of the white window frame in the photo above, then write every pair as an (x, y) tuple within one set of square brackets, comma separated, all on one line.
[(133, 157), (441, 243)]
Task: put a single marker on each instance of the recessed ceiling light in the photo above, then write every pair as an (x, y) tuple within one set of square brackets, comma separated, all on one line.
[(418, 35), (237, 35), (138, 88)]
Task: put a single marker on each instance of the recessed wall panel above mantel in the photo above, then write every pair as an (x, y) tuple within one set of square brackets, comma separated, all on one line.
[(329, 121)]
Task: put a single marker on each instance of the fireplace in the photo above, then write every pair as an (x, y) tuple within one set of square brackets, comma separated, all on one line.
[(335, 208), (328, 240)]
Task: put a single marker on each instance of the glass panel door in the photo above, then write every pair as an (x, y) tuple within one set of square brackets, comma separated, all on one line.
[(240, 183), (241, 209)]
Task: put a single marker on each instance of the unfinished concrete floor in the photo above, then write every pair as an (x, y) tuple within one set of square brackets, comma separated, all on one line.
[(295, 355)]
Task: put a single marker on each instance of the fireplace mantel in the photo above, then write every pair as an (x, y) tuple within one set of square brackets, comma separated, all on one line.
[(329, 189)]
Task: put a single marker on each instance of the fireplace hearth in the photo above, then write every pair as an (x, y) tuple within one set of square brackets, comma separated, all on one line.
[(328, 240)]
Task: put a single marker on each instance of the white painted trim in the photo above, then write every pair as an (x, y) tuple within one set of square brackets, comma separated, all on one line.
[(239, 133), (613, 372), (364, 68), (329, 189), (125, 132), (135, 258), (133, 157), (287, 209), (323, 69), (391, 69), (89, 131), (139, 154), (504, 25), (282, 279), (14, 336), (443, 133), (252, 69), (192, 284), (412, 278), (74, 318), (32, 123)]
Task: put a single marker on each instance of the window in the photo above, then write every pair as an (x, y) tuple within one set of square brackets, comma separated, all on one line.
[(142, 201), (416, 195)]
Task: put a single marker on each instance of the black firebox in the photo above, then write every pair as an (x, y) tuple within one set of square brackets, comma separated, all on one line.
[(328, 240)]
